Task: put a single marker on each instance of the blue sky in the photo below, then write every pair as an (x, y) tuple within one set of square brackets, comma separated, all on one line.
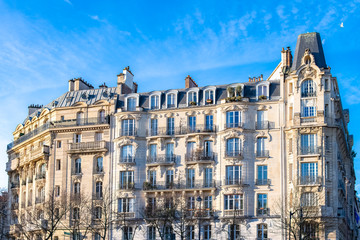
[(43, 44)]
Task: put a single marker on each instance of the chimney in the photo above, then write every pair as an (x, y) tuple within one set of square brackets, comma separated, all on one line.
[(33, 108), (189, 82), (286, 57), (125, 83), (77, 84)]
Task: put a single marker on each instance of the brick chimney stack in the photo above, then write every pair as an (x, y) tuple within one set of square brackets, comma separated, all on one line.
[(286, 57), (189, 82)]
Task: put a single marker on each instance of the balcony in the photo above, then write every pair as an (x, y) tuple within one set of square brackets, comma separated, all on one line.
[(200, 157), (238, 154), (40, 176), (122, 215), (233, 125), (128, 132), (79, 122), (161, 160), (198, 129), (262, 153), (200, 213), (310, 150), (163, 132), (234, 182), (89, 147), (29, 135), (39, 200), (262, 182), (309, 180), (263, 125), (127, 186), (262, 211), (197, 184), (233, 212), (127, 160), (308, 119)]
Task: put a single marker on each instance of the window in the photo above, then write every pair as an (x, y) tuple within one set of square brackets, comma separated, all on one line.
[(290, 87), (126, 204), (262, 204), (101, 116), (98, 213), (208, 149), (80, 118), (290, 145), (308, 144), (170, 126), (262, 178), (234, 232), (152, 177), (78, 166), (308, 89), (155, 102), (233, 175), (209, 123), (98, 136), (262, 231), (209, 97), (97, 236), (170, 157), (76, 213), (127, 153), (62, 118), (233, 147), (260, 147), (308, 173), (153, 153), (207, 232), (131, 104), (127, 233), (99, 165), (126, 180), (308, 199), (208, 205), (190, 232), (310, 230), (192, 124), (291, 112), (327, 85), (190, 178), (99, 191), (192, 98), (168, 232), (128, 127), (208, 178), (77, 138), (262, 92), (233, 119), (151, 232), (58, 145), (234, 202), (57, 191), (77, 188), (151, 205), (191, 147), (169, 178), (154, 127), (58, 164), (261, 123), (171, 100)]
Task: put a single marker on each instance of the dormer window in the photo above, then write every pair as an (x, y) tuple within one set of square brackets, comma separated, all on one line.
[(192, 98), (155, 102), (171, 100), (262, 91), (131, 104), (209, 96)]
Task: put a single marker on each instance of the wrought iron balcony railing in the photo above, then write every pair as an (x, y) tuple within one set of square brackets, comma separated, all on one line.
[(161, 159), (262, 153), (263, 182), (199, 157), (233, 181), (127, 159), (262, 211), (189, 184), (234, 154), (234, 125), (127, 185), (309, 150), (309, 180)]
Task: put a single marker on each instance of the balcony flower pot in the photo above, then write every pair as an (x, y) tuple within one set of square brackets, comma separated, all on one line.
[(209, 101), (193, 103), (262, 97), (238, 98)]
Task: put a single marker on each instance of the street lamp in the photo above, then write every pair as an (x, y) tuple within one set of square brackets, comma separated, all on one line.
[(301, 216), (199, 199)]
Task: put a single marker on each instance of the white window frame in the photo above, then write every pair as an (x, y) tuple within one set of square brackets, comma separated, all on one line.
[(210, 89), (191, 91), (133, 95), (267, 84), (157, 94), (175, 92)]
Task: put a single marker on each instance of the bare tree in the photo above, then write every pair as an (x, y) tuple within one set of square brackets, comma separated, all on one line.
[(45, 218), (4, 201), (301, 218)]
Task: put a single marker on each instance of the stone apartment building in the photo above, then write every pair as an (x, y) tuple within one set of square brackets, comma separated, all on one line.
[(243, 158)]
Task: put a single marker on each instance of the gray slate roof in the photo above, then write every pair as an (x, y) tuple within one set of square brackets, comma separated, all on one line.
[(313, 42)]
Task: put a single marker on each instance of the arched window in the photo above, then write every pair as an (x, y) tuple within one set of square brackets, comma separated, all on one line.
[(131, 104), (308, 89), (99, 165), (78, 166), (102, 116), (155, 102), (97, 215), (79, 118), (77, 188), (209, 96), (171, 100), (308, 99), (262, 231), (99, 193), (233, 147)]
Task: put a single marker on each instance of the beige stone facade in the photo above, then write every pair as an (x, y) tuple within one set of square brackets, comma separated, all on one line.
[(243, 154)]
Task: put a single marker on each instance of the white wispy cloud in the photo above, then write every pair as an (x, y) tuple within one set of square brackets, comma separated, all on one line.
[(68, 1), (97, 18)]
